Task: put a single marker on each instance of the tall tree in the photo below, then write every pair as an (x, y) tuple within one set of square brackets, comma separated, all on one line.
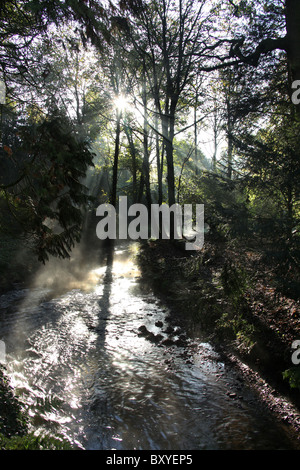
[(43, 158), (169, 37)]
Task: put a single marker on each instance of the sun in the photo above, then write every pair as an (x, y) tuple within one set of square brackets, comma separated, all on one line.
[(121, 102)]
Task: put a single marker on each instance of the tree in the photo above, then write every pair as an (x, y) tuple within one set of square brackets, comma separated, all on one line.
[(166, 37), (44, 160), (267, 24), (271, 160), (47, 197)]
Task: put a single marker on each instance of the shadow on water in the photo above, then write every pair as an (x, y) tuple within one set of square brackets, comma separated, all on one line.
[(107, 259)]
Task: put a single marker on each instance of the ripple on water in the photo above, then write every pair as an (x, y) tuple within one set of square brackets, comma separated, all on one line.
[(87, 371)]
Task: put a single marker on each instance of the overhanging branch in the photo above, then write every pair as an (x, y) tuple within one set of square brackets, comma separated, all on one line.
[(265, 46)]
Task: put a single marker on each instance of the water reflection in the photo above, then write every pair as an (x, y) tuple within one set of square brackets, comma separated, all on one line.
[(105, 366)]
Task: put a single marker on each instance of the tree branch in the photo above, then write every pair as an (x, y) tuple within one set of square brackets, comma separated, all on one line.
[(266, 45)]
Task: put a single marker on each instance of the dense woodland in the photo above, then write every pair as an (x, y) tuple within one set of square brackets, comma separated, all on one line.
[(165, 102)]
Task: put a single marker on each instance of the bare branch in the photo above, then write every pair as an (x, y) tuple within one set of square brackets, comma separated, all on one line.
[(265, 46)]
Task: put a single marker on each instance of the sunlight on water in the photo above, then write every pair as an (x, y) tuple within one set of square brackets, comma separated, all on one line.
[(104, 365)]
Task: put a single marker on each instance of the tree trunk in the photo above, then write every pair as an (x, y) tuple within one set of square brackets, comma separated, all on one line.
[(292, 16), (159, 163), (196, 134), (290, 221), (230, 128), (229, 156), (146, 169), (293, 36), (168, 125), (113, 198), (170, 162), (132, 149), (215, 132)]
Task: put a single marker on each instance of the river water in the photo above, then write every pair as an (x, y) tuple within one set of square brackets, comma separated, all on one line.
[(103, 365)]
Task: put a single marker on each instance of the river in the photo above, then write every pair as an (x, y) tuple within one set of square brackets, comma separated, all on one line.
[(103, 364)]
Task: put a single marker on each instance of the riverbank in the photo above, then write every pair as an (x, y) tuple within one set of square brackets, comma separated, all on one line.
[(229, 294)]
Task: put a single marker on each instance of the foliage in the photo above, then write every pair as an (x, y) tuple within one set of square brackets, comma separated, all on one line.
[(274, 166), (32, 442), (49, 198), (234, 281), (150, 55), (292, 375), (236, 326), (225, 203)]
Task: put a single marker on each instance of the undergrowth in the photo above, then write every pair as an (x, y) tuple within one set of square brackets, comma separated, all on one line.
[(210, 290)]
